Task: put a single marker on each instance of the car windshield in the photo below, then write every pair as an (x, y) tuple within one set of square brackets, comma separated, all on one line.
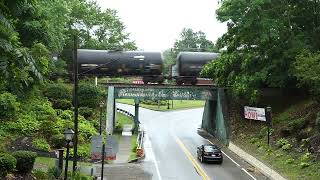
[(210, 148)]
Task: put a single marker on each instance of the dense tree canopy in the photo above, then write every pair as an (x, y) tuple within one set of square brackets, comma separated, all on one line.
[(32, 31), (188, 41), (263, 41)]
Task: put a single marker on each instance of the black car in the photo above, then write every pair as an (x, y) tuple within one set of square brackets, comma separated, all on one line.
[(209, 153)]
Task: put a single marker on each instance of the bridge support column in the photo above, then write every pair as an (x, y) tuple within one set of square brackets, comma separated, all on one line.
[(110, 110), (136, 115)]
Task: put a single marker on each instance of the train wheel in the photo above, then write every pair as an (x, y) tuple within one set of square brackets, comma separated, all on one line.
[(179, 82), (193, 81)]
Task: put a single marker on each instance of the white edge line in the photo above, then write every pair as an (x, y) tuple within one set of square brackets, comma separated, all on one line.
[(236, 163), (154, 159), (227, 156), (248, 173)]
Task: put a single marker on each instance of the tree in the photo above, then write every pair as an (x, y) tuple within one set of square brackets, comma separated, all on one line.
[(193, 41), (263, 40)]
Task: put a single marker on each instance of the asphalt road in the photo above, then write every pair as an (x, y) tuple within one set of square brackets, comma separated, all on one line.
[(171, 143)]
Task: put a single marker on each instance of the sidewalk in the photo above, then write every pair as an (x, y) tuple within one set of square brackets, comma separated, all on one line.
[(124, 145)]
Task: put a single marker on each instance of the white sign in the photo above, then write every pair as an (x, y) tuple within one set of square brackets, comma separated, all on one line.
[(254, 113)]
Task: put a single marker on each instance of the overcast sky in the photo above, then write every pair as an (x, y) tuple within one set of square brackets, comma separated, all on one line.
[(155, 24)]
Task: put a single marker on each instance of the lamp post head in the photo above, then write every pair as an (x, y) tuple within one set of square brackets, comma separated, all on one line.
[(68, 134)]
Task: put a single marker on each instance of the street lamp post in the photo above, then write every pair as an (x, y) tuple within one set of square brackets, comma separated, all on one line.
[(68, 134)]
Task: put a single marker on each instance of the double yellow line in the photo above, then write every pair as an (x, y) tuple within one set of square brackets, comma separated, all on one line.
[(193, 161)]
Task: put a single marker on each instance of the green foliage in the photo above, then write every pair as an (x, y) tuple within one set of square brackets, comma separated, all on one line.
[(89, 95), (253, 140), (86, 129), (25, 161), (54, 173), (261, 47), (284, 144), (41, 55), (281, 142), (193, 41), (40, 175), (41, 144), (57, 141), (318, 121), (289, 161), (25, 125), (78, 176), (286, 147), (304, 165), (86, 112), (306, 70), (9, 106), (7, 164), (306, 157), (60, 95)]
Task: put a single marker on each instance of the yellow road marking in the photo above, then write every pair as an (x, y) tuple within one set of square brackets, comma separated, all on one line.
[(193, 161)]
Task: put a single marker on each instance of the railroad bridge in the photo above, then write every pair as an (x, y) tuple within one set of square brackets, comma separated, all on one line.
[(215, 115)]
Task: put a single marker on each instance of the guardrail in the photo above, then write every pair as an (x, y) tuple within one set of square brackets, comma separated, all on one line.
[(125, 112), (140, 150)]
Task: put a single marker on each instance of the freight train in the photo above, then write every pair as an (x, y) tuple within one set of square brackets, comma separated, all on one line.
[(148, 65)]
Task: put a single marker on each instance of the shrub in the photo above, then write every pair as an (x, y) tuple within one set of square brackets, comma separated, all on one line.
[(54, 173), (88, 95), (286, 147), (86, 129), (306, 157), (7, 164), (25, 161), (41, 144), (8, 105), (40, 175), (253, 140), (86, 112), (289, 161), (58, 91), (281, 142), (25, 125), (304, 165), (43, 110), (58, 141), (62, 104)]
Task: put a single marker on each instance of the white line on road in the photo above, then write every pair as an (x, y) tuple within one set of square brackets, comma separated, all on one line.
[(235, 163), (248, 173), (226, 155), (152, 156)]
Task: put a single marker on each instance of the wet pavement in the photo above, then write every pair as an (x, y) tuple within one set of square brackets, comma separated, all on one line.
[(170, 145)]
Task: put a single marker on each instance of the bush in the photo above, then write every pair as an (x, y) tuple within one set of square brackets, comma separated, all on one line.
[(25, 161), (281, 142), (40, 175), (25, 125), (289, 161), (253, 140), (41, 144), (58, 91), (86, 112), (60, 95), (58, 141), (86, 129), (8, 105), (7, 164), (286, 147), (304, 165), (54, 173), (89, 95)]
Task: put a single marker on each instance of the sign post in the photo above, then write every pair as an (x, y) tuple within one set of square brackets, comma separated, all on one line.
[(269, 121)]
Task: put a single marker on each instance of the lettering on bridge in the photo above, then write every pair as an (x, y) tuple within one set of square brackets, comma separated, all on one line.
[(162, 93)]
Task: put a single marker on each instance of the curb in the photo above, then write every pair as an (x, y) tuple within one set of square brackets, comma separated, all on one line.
[(264, 169), (137, 159)]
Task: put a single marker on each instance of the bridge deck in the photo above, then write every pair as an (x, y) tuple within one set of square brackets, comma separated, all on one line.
[(168, 86)]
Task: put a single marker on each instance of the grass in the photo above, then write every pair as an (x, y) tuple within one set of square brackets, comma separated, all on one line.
[(290, 162), (123, 119), (47, 162), (133, 154), (177, 104)]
